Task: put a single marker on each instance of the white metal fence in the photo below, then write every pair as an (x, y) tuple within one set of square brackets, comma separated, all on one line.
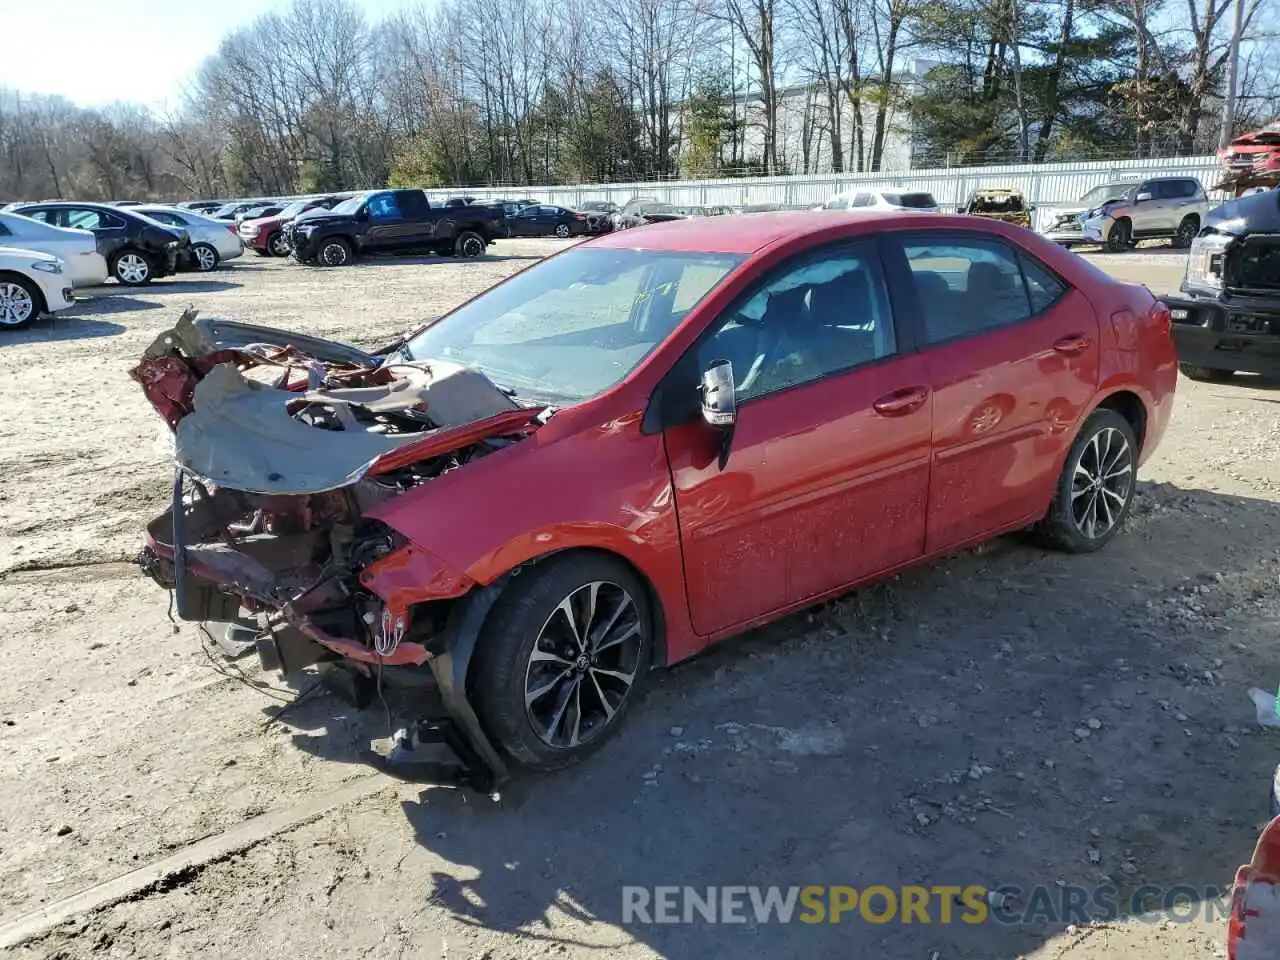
[(1044, 183)]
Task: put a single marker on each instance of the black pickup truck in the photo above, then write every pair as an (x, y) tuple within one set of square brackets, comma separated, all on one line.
[(1229, 318), (393, 221)]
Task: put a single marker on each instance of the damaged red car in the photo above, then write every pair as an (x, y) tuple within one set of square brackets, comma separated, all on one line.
[(1256, 152), (639, 446)]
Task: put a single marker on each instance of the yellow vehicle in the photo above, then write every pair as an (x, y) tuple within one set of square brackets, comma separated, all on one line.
[(999, 203)]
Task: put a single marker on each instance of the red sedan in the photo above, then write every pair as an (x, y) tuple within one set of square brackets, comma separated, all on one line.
[(642, 445)]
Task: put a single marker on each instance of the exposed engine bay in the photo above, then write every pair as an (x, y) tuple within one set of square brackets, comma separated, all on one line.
[(282, 444)]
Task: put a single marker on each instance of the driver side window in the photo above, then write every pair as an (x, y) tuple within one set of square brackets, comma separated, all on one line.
[(818, 316), (383, 207)]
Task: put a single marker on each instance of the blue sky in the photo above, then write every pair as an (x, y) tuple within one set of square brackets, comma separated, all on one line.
[(94, 52)]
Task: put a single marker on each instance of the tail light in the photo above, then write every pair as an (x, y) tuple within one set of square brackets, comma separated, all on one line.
[(233, 228), (1252, 925), (579, 216)]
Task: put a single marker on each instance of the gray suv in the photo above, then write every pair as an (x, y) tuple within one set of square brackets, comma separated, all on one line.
[(1172, 207)]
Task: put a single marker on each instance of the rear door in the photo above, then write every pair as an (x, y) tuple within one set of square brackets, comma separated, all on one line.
[(420, 225), (1012, 356), (827, 476)]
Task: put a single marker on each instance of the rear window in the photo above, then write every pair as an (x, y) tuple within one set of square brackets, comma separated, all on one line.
[(913, 200)]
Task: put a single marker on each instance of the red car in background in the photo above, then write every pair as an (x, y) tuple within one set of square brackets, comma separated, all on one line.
[(266, 236), (642, 445), (1255, 152)]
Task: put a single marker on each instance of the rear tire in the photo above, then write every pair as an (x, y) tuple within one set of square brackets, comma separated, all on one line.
[(1120, 236), (1187, 231), (1096, 488), (562, 231), (1205, 374), (470, 244), (555, 707), (205, 257), (132, 267)]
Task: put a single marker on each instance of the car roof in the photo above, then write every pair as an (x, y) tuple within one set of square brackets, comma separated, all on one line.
[(747, 233)]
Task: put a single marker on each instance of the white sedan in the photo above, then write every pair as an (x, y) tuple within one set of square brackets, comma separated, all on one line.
[(31, 283), (212, 241), (78, 249)]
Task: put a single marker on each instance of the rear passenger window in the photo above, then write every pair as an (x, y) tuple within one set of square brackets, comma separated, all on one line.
[(967, 286), (1043, 288)]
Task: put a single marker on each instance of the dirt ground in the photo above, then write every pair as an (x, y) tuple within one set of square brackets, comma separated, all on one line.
[(1008, 716)]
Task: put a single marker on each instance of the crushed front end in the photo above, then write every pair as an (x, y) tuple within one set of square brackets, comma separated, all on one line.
[(282, 446)]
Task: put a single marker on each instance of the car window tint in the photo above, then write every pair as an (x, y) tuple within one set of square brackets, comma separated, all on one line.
[(966, 286), (818, 317), (863, 200), (84, 219), (1043, 288), (383, 206), (4, 231), (838, 203), (165, 217)]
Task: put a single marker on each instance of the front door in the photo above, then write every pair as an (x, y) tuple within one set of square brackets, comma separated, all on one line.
[(828, 470), (388, 228), (1012, 358)]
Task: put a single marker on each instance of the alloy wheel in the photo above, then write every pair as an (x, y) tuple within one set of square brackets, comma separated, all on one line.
[(132, 268), (16, 305), (583, 664), (1101, 483), (562, 231), (206, 258), (334, 254), (472, 246), (1186, 233), (280, 245)]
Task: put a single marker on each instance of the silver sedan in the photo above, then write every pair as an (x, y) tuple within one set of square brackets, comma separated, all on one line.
[(212, 241)]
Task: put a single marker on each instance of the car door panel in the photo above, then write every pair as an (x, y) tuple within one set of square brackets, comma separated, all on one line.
[(1006, 398), (819, 491), (1004, 406), (827, 478)]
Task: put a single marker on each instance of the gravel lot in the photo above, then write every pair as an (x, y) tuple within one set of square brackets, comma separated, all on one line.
[(1006, 716)]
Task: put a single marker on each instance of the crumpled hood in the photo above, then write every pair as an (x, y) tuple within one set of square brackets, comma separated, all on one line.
[(332, 415)]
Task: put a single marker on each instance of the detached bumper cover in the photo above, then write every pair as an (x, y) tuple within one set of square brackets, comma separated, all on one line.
[(1242, 336)]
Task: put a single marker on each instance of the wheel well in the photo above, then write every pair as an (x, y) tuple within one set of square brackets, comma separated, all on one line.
[(655, 602), (1191, 216), (1130, 406), (42, 307)]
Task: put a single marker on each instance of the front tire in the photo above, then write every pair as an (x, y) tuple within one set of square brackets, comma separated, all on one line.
[(1120, 236), (20, 301), (564, 655), (1205, 374), (1096, 488), (278, 245), (334, 252), (133, 268), (470, 245), (206, 258)]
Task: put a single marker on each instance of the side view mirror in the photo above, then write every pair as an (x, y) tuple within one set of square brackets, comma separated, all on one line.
[(719, 406), (1142, 197)]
